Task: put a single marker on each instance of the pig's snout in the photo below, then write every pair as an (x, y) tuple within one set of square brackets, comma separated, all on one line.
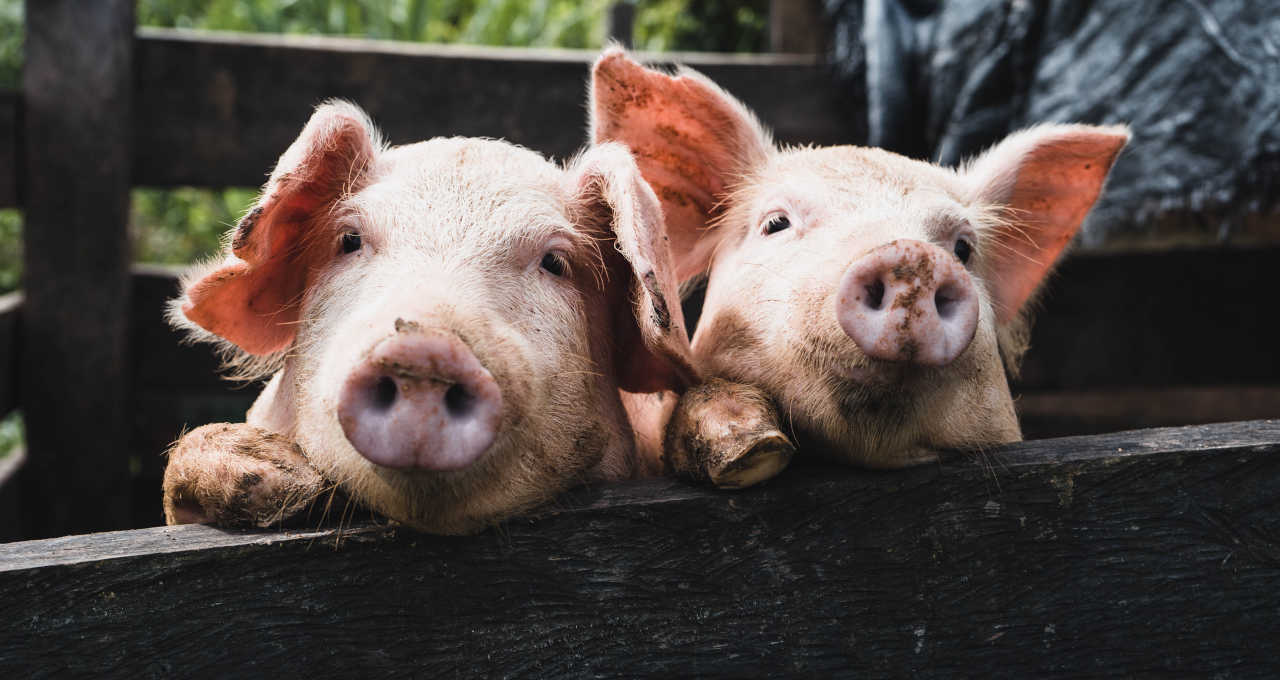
[(420, 400), (908, 301)]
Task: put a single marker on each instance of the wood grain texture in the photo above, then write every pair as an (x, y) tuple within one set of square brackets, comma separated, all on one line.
[(10, 146), (77, 81), (217, 109), (1132, 554)]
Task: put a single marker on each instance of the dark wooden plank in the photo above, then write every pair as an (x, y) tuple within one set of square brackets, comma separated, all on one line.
[(1182, 318), (10, 344), (77, 85), (10, 146), (1072, 412), (218, 109), (1139, 553)]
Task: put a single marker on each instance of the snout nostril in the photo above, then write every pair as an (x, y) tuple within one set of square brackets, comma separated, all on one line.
[(875, 294), (945, 304), (458, 401), (384, 393)]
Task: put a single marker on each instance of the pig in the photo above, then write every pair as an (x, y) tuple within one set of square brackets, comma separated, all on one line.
[(448, 328), (879, 301)]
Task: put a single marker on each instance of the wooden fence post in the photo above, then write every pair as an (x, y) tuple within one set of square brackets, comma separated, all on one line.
[(77, 94), (620, 23)]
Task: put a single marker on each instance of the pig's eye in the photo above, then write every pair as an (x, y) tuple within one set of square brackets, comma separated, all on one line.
[(776, 224), (351, 242), (555, 264), (963, 251)]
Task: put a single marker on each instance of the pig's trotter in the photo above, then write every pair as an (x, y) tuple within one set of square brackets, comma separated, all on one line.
[(237, 475), (727, 434), (759, 461)]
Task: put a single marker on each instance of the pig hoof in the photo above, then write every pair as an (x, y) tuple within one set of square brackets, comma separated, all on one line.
[(237, 475), (761, 461), (726, 433)]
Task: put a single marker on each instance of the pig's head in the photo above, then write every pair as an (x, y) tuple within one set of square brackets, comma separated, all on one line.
[(879, 299), (449, 322)]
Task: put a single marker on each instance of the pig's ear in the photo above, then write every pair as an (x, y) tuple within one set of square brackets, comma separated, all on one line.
[(1042, 182), (253, 298), (691, 140), (650, 345)]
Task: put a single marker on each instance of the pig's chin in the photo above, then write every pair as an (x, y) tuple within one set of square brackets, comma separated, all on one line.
[(879, 376)]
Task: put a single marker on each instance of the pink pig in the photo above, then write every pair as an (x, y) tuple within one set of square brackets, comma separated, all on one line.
[(446, 325), (877, 300)]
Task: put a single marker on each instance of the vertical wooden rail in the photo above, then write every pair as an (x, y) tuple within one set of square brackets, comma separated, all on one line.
[(620, 22), (77, 90)]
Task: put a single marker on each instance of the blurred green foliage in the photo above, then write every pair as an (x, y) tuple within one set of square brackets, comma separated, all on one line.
[(10, 250), (10, 43), (10, 433), (176, 226)]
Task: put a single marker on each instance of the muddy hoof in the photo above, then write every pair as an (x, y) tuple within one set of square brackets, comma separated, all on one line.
[(727, 434), (761, 461)]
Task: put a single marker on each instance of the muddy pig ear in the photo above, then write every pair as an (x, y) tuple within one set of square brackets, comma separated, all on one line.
[(650, 345), (1043, 181), (691, 140), (253, 298)]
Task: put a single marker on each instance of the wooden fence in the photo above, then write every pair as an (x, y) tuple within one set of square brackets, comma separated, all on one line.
[(1126, 339), (1136, 553), (1149, 553)]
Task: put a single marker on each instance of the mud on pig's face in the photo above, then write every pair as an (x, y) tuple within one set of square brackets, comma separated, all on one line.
[(877, 298)]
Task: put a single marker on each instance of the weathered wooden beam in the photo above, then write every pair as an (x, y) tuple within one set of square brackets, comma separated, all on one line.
[(10, 344), (1154, 319), (10, 147), (77, 86), (217, 109), (1059, 413), (1139, 553)]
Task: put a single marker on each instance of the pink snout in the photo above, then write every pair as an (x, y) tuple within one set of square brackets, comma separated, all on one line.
[(420, 400), (908, 301)]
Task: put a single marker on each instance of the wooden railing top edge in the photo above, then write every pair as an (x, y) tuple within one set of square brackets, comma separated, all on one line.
[(460, 51), (1061, 456)]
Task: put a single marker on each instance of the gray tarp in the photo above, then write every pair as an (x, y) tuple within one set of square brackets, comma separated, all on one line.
[(1197, 80)]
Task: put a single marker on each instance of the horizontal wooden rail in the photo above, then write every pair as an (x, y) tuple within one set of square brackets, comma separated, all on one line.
[(218, 109), (1137, 553), (1156, 319), (1108, 321)]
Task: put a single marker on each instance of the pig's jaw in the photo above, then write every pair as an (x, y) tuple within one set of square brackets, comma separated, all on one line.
[(844, 406)]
